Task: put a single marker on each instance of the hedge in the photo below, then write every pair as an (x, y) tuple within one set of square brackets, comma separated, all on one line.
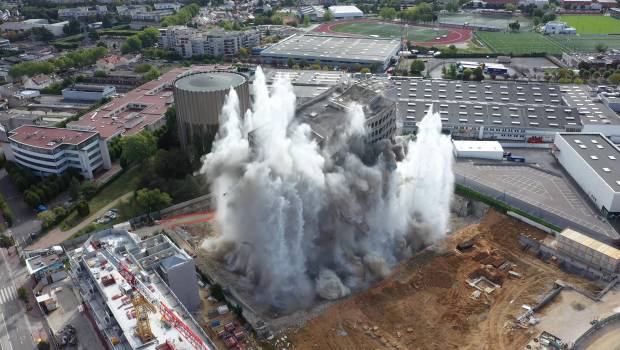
[(499, 205)]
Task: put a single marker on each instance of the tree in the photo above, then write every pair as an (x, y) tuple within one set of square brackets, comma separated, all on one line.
[(148, 37), (614, 79), (6, 241), (467, 73), (32, 198), (82, 208), (137, 148), (22, 294), (452, 6), (365, 70), (74, 188), (42, 34), (510, 7), (93, 35), (151, 75), (48, 219), (171, 164), (514, 26), (600, 48), (88, 189), (243, 52), (43, 345), (132, 44), (417, 67), (388, 13), (477, 74), (142, 68), (328, 16), (73, 27), (290, 62), (152, 200), (306, 20)]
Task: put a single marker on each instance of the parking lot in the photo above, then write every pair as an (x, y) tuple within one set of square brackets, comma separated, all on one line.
[(541, 189)]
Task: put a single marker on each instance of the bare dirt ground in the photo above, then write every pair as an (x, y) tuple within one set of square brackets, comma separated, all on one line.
[(426, 303)]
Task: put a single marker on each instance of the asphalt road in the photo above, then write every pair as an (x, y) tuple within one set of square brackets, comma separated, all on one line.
[(24, 218), (15, 327)]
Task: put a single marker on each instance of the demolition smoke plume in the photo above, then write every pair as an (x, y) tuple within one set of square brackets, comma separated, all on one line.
[(299, 223)]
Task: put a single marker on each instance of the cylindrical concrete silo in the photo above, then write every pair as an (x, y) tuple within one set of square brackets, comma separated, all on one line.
[(199, 99)]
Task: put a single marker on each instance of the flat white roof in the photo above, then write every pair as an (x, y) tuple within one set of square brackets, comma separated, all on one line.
[(335, 10), (477, 146)]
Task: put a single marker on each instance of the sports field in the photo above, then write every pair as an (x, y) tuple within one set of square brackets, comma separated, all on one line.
[(587, 43), (500, 22), (591, 24), (519, 43), (388, 30)]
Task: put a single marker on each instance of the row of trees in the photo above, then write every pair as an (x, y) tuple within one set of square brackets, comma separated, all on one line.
[(143, 39), (599, 75), (73, 59), (36, 190), (423, 12), (182, 17), (452, 72)]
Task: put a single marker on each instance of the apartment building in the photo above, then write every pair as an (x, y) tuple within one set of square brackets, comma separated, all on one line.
[(189, 42), (82, 11), (46, 150)]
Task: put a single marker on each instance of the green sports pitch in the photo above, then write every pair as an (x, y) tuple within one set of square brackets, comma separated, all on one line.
[(587, 43), (521, 43), (389, 30), (592, 24)]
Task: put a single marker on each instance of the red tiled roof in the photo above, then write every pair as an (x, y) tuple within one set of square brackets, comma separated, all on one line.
[(112, 59), (157, 103), (40, 79), (49, 138)]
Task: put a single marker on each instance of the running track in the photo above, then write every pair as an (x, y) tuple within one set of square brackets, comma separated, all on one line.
[(456, 35)]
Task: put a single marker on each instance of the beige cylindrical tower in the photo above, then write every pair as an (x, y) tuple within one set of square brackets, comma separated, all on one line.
[(199, 99)]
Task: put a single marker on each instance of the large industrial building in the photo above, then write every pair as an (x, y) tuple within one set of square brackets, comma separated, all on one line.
[(199, 99), (83, 92), (346, 12), (126, 299), (590, 252), (510, 112), (333, 50), (307, 84), (593, 161), (47, 151)]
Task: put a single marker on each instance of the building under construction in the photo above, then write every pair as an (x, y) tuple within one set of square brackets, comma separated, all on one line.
[(127, 299)]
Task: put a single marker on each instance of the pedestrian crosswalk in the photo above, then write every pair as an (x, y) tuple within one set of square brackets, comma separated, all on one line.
[(7, 294)]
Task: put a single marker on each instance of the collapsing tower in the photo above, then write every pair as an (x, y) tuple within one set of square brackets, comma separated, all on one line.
[(142, 308)]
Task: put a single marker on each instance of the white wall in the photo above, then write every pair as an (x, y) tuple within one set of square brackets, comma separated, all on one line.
[(590, 182)]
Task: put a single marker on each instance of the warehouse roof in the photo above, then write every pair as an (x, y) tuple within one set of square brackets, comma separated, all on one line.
[(210, 81), (591, 112), (493, 104), (344, 10), (332, 47), (477, 146), (599, 153), (591, 243)]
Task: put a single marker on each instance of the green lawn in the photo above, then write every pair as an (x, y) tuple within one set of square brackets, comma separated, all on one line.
[(519, 43), (592, 24), (389, 30), (587, 43), (126, 182)]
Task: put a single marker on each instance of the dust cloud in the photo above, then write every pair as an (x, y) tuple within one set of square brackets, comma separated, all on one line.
[(302, 222)]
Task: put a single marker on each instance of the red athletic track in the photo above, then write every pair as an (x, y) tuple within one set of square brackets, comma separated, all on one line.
[(455, 35)]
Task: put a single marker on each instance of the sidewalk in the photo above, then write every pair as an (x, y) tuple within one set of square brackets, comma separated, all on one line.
[(56, 236)]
